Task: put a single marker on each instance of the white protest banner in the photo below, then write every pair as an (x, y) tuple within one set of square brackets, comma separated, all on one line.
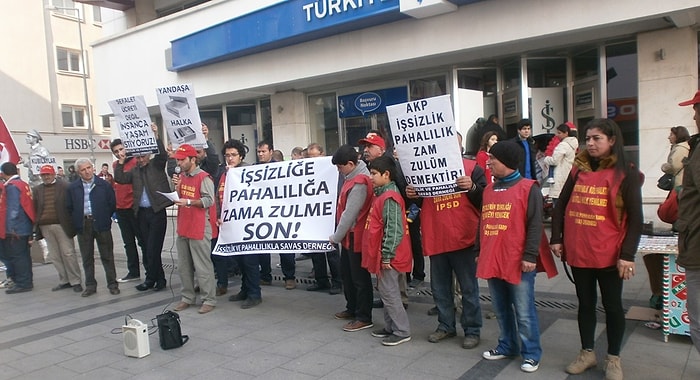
[(425, 138), (134, 124), (178, 106), (280, 207), (37, 162)]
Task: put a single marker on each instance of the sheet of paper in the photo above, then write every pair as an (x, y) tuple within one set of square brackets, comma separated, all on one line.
[(171, 195)]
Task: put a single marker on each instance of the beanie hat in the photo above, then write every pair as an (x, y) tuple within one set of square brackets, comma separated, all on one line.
[(508, 152)]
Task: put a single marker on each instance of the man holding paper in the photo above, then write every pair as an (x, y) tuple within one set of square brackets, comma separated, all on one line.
[(148, 178)]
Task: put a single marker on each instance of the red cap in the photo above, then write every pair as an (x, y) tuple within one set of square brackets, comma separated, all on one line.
[(373, 139), (185, 151), (693, 101), (571, 125), (47, 169)]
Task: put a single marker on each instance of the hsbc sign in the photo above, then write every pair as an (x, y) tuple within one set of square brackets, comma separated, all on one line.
[(72, 144)]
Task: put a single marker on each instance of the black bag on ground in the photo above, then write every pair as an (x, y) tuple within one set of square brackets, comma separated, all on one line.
[(666, 182), (169, 331)]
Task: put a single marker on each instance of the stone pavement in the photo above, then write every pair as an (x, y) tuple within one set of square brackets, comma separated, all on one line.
[(292, 335)]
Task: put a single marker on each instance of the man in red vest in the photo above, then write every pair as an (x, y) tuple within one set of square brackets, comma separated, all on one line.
[(17, 215), (196, 191), (511, 231), (128, 224), (449, 229)]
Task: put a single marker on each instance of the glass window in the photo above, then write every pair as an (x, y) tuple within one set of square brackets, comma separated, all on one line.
[(546, 72), (68, 60), (323, 118), (68, 8), (427, 87), (97, 13), (585, 64), (73, 116), (622, 87), (511, 74)]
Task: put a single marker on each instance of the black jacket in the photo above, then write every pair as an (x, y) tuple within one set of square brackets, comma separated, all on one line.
[(150, 178)]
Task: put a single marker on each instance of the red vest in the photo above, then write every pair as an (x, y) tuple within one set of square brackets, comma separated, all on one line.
[(449, 222), (25, 200), (190, 220), (593, 234), (124, 192), (503, 232), (359, 228), (374, 235)]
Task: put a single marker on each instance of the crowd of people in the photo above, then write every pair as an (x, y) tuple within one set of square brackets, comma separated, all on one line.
[(492, 229)]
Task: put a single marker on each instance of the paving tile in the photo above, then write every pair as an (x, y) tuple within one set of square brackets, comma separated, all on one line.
[(54, 373), (42, 345), (41, 360), (316, 363), (256, 364), (91, 361)]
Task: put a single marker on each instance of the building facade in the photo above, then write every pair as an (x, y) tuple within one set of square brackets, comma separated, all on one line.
[(47, 79), (300, 71)]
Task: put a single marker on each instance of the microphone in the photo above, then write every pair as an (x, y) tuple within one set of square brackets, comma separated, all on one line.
[(178, 170)]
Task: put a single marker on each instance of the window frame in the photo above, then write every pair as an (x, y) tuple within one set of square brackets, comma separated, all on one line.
[(75, 119)]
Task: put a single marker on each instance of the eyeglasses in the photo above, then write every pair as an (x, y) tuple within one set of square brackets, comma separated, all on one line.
[(231, 155)]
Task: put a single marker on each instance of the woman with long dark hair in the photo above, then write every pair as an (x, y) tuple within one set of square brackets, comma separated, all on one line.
[(597, 224)]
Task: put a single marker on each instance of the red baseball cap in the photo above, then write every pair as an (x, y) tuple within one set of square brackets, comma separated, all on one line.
[(693, 101), (185, 151), (373, 139), (47, 169)]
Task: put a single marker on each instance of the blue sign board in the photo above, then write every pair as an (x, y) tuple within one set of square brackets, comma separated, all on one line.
[(283, 24), (367, 103)]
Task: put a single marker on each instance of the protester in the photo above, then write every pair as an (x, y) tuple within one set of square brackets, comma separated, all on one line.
[(689, 228), (562, 158), (354, 201), (386, 249), (149, 181), (524, 141), (597, 225), (54, 224), (17, 213), (91, 203), (128, 225), (449, 230), (105, 174), (511, 231), (195, 189), (482, 155)]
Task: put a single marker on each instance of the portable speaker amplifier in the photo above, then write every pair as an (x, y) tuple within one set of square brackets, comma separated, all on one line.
[(136, 343)]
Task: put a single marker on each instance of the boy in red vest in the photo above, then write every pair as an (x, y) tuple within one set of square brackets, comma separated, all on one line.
[(386, 249)]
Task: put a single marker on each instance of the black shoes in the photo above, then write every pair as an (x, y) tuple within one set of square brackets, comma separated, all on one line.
[(148, 285), (60, 287), (335, 290), (240, 296), (17, 289), (114, 291), (251, 302), (88, 292), (315, 287)]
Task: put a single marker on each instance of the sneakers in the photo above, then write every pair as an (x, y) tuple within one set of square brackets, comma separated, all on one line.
[(493, 355), (315, 287), (290, 284), (77, 288), (530, 365), (439, 335), (128, 278), (345, 314), (357, 326), (395, 340), (335, 290), (382, 333), (585, 360), (470, 341), (415, 283), (613, 368), (6, 284), (265, 282), (17, 289)]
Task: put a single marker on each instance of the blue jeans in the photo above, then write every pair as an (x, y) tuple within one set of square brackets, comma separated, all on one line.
[(15, 254), (515, 309), (250, 275), (463, 265)]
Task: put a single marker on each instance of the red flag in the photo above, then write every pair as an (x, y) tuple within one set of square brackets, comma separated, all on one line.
[(8, 149)]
